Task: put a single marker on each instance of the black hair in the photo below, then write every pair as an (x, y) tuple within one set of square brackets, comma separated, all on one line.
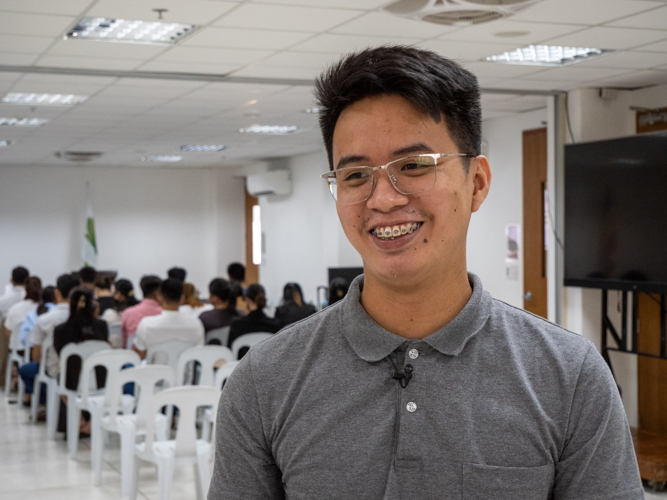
[(172, 290), (65, 283), (47, 297), (434, 85), (236, 271), (87, 274), (33, 289), (227, 292), (104, 283), (150, 284), (177, 273), (289, 290), (20, 275), (338, 289), (126, 289), (257, 294), (81, 311)]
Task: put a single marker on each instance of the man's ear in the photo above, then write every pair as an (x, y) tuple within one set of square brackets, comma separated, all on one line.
[(481, 172)]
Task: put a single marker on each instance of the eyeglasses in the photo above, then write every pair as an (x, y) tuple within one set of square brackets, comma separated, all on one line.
[(409, 175)]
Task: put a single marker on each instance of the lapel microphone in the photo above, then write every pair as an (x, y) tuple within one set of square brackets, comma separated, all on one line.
[(403, 378)]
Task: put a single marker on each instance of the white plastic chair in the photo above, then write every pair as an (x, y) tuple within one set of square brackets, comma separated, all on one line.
[(186, 448), (145, 380), (248, 340), (116, 335), (221, 377), (130, 341), (171, 349), (13, 356), (84, 350), (113, 361), (206, 356), (219, 334), (52, 403)]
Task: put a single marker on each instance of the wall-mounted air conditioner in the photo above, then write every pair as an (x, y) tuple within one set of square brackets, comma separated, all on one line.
[(272, 182), (458, 12)]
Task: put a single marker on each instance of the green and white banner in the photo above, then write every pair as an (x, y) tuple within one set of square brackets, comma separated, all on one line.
[(89, 242)]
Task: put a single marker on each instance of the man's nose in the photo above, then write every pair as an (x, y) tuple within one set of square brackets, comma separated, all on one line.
[(385, 197)]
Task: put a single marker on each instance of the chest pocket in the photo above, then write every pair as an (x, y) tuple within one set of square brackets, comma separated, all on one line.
[(484, 482)]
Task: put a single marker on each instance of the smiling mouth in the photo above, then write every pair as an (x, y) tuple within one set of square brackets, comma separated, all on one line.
[(393, 232)]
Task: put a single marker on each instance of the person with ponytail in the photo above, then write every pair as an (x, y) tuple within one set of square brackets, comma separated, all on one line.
[(256, 320), (222, 295)]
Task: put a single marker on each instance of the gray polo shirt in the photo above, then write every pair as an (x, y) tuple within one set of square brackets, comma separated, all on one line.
[(502, 405)]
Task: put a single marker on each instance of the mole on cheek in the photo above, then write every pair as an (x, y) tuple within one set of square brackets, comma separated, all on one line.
[(425, 240)]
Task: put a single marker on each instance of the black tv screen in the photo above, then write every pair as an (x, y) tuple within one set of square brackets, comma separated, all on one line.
[(616, 214)]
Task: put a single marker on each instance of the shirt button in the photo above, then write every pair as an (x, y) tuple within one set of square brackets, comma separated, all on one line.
[(413, 353), (411, 406)]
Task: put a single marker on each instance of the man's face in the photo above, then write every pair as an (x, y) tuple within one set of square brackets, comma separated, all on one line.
[(385, 128)]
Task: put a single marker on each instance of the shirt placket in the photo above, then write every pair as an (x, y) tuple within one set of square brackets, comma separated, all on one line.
[(411, 408)]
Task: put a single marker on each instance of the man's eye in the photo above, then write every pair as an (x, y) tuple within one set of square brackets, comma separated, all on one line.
[(355, 176), (414, 166)]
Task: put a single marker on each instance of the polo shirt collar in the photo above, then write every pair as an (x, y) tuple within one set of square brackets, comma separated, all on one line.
[(372, 343)]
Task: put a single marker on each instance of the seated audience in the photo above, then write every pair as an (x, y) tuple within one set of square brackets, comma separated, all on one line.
[(87, 277), (170, 324), (177, 273), (14, 293), (103, 294), (191, 303), (236, 275), (256, 320), (293, 309), (337, 289), (123, 297), (223, 298), (149, 306)]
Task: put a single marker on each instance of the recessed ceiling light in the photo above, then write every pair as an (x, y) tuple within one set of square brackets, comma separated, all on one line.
[(23, 122), (162, 158), (5, 143), (270, 129), (546, 55), (202, 147), (103, 29), (43, 99)]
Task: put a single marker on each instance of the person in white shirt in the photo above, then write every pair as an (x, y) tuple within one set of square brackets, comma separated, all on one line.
[(17, 313), (12, 296), (170, 324), (47, 322)]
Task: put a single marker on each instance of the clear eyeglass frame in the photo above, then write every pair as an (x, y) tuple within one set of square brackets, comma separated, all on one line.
[(331, 176)]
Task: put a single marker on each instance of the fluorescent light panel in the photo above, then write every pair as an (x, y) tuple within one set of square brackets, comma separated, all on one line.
[(270, 129), (5, 143), (546, 55), (32, 99), (23, 122), (103, 29), (162, 158), (202, 147)]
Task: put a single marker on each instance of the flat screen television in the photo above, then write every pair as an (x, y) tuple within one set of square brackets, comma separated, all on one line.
[(616, 214)]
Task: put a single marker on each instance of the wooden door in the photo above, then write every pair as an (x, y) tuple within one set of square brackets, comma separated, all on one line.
[(652, 373), (251, 270), (534, 231)]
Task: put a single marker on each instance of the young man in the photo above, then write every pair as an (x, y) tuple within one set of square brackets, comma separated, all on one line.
[(87, 277), (15, 293), (417, 384), (170, 324), (178, 273), (149, 306)]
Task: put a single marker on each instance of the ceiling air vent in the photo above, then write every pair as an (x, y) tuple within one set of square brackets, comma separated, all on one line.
[(458, 12), (78, 155)]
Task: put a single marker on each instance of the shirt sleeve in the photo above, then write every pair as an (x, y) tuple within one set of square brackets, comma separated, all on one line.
[(244, 465), (598, 459), (139, 340)]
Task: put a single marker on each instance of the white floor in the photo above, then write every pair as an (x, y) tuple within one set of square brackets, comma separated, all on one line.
[(34, 467)]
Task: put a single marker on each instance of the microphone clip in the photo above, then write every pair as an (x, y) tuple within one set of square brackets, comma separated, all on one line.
[(404, 378)]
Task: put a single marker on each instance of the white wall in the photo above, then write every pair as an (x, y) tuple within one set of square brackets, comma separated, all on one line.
[(487, 244), (146, 220), (302, 234)]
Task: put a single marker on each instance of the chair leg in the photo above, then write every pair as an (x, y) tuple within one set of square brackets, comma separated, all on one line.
[(134, 479), (34, 399), (73, 420), (203, 477), (165, 474), (21, 391), (97, 435), (8, 374), (206, 428), (127, 465), (52, 408)]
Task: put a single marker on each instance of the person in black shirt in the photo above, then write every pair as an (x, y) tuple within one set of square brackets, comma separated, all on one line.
[(103, 294), (256, 320), (223, 297), (293, 309)]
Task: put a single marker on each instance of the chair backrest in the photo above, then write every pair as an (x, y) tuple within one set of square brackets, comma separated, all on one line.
[(113, 360), (15, 339), (116, 335), (219, 334), (248, 340), (46, 345), (187, 400), (130, 341), (83, 349), (206, 356), (171, 349), (223, 373), (145, 379)]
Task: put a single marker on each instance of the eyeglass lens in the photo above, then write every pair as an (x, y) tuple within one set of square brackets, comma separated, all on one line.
[(409, 175)]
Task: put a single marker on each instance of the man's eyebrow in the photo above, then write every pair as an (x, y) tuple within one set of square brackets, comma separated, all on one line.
[(346, 160), (419, 147)]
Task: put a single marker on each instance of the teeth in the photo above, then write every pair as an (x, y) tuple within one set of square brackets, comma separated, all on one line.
[(391, 232)]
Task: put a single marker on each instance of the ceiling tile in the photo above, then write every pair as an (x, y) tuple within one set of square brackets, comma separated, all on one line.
[(495, 70), (588, 12), (629, 60), (238, 38), (283, 17), (24, 44), (87, 62), (184, 67), (126, 91), (89, 48), (385, 24), (191, 12), (34, 24), (338, 4), (36, 78), (158, 82), (307, 60), (576, 73), (654, 47), (56, 88), (534, 32), (609, 38), (205, 55), (340, 44), (65, 7), (653, 19), (277, 72), (17, 59), (521, 84), (465, 51), (638, 79)]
